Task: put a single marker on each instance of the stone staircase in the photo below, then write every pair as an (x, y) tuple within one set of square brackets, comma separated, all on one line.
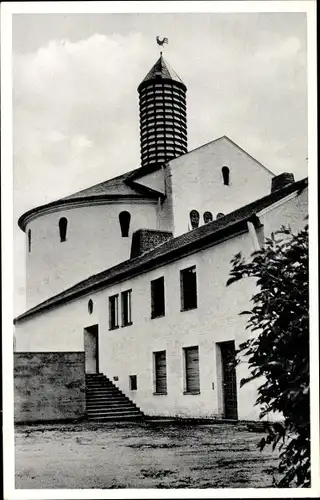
[(104, 401)]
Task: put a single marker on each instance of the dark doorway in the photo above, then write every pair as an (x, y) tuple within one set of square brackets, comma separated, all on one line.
[(91, 348), (229, 379)]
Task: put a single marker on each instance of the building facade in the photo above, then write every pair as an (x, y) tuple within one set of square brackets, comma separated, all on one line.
[(131, 273)]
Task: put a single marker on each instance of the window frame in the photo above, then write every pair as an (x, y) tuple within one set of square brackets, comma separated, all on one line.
[(126, 321), (63, 228), (225, 175), (131, 379), (183, 272), (186, 390), (114, 298), (155, 384), (153, 292), (29, 240), (124, 221)]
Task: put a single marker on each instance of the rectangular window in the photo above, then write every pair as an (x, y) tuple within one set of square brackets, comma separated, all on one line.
[(113, 312), (192, 378), (133, 382), (126, 307), (160, 372), (188, 286), (157, 298)]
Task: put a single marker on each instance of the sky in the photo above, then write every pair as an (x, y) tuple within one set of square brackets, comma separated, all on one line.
[(75, 100)]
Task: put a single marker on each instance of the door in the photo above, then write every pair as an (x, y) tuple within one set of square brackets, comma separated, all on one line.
[(229, 380), (91, 349)]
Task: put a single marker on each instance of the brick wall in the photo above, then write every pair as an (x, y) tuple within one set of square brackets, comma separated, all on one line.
[(48, 386), (144, 240)]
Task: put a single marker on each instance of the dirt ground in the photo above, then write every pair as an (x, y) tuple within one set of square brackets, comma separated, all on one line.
[(141, 455)]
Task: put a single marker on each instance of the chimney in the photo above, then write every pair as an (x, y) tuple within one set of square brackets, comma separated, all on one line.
[(144, 240), (281, 180)]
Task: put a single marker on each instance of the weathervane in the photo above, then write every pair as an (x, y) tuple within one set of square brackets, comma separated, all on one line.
[(162, 42)]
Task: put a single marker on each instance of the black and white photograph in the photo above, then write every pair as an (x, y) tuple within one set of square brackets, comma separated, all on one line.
[(161, 331)]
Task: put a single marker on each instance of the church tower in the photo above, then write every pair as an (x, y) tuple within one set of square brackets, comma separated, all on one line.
[(163, 115)]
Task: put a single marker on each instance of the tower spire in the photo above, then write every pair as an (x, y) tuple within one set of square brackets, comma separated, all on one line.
[(163, 116)]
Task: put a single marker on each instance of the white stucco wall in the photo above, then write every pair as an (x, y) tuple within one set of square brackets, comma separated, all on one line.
[(154, 180), (197, 182), (94, 243), (129, 350), (291, 211)]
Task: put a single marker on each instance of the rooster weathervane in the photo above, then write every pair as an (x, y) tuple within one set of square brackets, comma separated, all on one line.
[(162, 42)]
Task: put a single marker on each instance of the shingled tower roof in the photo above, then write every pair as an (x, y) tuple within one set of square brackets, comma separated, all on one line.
[(162, 68)]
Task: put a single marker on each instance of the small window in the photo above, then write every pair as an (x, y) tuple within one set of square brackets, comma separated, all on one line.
[(29, 240), (124, 219), (157, 298), (207, 217), (220, 214), (194, 218), (126, 307), (63, 222), (160, 372), (113, 312), (225, 175), (188, 285), (192, 376), (90, 306), (133, 382)]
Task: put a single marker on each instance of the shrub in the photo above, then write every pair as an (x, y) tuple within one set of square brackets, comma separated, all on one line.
[(278, 349)]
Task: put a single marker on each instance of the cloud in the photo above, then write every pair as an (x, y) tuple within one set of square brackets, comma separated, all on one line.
[(71, 103)]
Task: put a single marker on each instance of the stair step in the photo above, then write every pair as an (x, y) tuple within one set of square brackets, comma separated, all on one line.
[(99, 389), (103, 395), (103, 389), (98, 404), (112, 404), (105, 401), (107, 411), (115, 414), (95, 385), (114, 418)]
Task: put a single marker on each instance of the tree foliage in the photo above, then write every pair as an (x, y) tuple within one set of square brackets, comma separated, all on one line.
[(278, 349)]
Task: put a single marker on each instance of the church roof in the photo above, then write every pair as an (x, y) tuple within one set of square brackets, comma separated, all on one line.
[(162, 68), (209, 234), (120, 186), (115, 186)]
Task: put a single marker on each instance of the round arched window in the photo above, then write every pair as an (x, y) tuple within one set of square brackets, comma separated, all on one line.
[(90, 306), (220, 214), (29, 240), (124, 219), (194, 218), (226, 175), (63, 222), (207, 217)]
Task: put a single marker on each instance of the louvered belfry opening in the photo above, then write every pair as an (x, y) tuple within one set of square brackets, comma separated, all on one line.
[(163, 115)]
